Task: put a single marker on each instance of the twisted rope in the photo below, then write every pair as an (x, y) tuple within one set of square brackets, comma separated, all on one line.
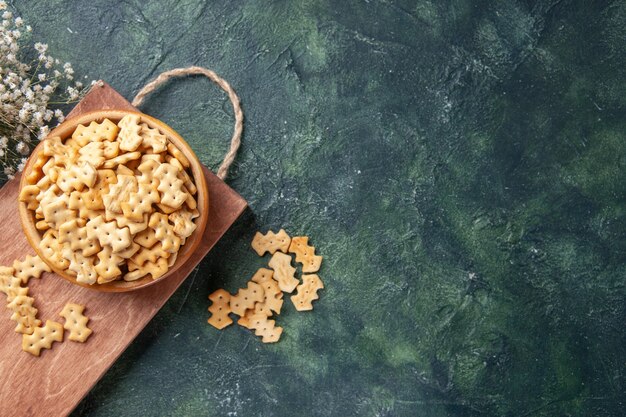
[(235, 141)]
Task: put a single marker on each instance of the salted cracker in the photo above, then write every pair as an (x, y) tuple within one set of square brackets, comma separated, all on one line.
[(219, 309), (170, 186), (76, 322), (272, 295), (42, 338), (24, 314), (283, 271), (271, 242), (245, 298), (307, 292), (305, 254), (29, 267), (140, 203), (108, 234), (129, 135), (164, 232)]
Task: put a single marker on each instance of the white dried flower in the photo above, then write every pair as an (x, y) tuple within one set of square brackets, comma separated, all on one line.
[(27, 91)]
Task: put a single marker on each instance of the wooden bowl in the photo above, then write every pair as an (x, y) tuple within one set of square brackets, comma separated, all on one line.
[(64, 131)]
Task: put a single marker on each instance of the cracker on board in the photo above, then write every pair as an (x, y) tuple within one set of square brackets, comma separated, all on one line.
[(219, 309), (245, 298), (24, 314), (283, 271), (307, 292), (42, 338), (305, 254), (30, 267), (76, 322), (271, 242)]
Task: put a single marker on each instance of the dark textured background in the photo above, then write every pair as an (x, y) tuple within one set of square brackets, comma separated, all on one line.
[(460, 165)]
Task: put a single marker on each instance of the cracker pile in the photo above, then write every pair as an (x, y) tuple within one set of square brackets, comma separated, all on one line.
[(112, 202), (263, 295), (36, 337)]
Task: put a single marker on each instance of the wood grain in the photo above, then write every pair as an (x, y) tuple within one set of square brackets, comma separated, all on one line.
[(53, 384)]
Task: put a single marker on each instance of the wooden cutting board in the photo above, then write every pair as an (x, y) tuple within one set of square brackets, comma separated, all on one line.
[(54, 383)]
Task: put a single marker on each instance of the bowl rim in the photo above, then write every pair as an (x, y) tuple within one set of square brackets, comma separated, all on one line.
[(64, 130)]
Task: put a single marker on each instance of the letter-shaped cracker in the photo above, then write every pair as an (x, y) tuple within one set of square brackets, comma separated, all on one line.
[(119, 192), (76, 322), (81, 266), (24, 314), (76, 177), (140, 203), (183, 222), (28, 195), (164, 232), (108, 234), (42, 338), (129, 136), (305, 254), (74, 233), (273, 296), (121, 159), (265, 328), (170, 186), (176, 153), (61, 154), (105, 131), (307, 292), (152, 138), (52, 248), (271, 242), (93, 153), (283, 272), (219, 309), (245, 298), (57, 212), (148, 168), (30, 267), (107, 267)]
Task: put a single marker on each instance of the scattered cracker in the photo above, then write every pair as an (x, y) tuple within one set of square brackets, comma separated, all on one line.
[(307, 292), (283, 271), (245, 298), (30, 267), (42, 338), (219, 309), (24, 314), (76, 322), (271, 242), (273, 296), (305, 254)]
